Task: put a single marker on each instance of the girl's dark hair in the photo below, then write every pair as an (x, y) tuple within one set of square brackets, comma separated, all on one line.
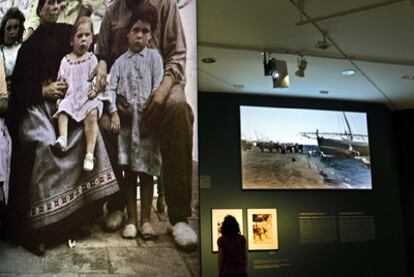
[(146, 13), (230, 226), (12, 13)]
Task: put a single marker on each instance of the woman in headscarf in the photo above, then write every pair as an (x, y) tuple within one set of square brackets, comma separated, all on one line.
[(48, 187)]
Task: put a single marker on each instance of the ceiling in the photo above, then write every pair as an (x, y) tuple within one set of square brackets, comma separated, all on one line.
[(374, 37)]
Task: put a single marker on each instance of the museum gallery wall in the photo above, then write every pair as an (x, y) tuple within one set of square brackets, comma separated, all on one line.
[(320, 232)]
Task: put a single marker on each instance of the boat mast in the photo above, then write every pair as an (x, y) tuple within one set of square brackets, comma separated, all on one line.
[(349, 127), (350, 132)]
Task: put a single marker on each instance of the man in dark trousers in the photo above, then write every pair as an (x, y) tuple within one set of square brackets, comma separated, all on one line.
[(167, 111)]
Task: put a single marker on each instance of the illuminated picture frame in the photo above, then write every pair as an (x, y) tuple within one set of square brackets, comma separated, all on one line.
[(217, 218), (262, 229), (304, 149)]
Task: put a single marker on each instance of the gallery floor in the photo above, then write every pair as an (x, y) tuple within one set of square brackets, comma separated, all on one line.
[(108, 254)]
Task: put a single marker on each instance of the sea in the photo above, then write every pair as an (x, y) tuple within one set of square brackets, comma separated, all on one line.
[(346, 173)]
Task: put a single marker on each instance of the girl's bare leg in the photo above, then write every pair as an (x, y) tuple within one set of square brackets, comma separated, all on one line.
[(63, 124), (63, 131), (91, 130)]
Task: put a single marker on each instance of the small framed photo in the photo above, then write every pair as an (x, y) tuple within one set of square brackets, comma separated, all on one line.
[(262, 229), (217, 218)]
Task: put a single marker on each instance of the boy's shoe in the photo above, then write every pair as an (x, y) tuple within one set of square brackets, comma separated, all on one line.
[(88, 163), (148, 232), (130, 231), (184, 236), (61, 143)]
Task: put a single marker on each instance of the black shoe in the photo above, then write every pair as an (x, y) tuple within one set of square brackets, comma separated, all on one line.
[(37, 248)]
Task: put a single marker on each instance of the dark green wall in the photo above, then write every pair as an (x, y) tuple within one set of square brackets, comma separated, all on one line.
[(219, 156), (404, 130)]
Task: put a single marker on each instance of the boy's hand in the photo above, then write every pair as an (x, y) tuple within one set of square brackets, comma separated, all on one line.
[(115, 123), (92, 94)]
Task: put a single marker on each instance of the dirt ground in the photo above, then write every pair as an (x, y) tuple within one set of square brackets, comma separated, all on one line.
[(264, 170)]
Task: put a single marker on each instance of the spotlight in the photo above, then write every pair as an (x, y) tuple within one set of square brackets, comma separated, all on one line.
[(279, 73), (324, 44), (302, 63), (278, 70), (275, 74)]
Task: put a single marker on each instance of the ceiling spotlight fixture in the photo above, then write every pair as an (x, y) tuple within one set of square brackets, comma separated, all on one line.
[(324, 44), (302, 63), (277, 69), (348, 72), (208, 60)]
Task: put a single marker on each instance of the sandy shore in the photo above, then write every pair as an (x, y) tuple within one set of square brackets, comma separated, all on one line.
[(280, 171)]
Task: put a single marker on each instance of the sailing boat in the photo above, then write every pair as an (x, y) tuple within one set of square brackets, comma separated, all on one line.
[(341, 144)]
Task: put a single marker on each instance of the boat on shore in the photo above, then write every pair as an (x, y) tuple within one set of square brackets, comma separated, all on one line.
[(344, 144), (342, 147)]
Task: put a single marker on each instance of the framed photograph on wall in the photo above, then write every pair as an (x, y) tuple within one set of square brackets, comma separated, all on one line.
[(262, 229), (217, 218), (290, 148)]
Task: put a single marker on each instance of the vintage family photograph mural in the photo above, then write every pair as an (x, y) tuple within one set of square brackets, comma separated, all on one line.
[(98, 155), (286, 148)]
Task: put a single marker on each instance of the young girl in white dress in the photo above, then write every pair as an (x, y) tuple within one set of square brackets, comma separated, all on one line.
[(79, 102)]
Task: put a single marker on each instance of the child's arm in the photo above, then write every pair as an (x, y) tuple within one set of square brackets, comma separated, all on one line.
[(92, 90), (4, 97), (111, 90)]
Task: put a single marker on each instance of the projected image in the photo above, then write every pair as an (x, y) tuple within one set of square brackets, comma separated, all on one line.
[(262, 226), (283, 148)]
